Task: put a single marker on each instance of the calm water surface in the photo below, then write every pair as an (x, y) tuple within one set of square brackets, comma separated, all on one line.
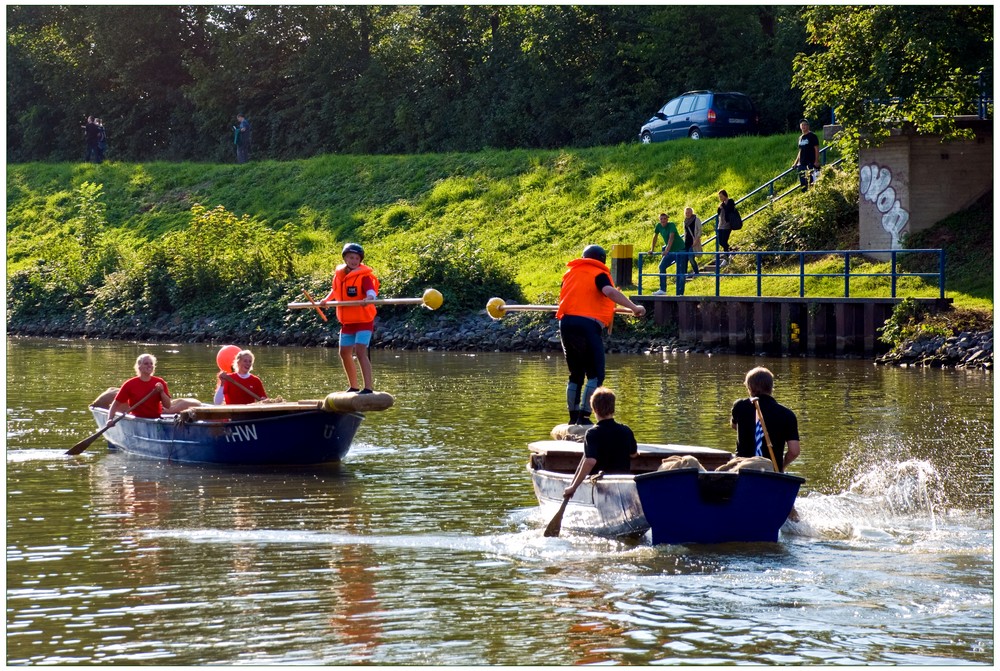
[(425, 546)]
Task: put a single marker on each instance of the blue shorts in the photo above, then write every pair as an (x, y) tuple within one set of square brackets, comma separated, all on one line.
[(359, 338)]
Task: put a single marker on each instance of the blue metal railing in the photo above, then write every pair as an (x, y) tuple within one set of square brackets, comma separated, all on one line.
[(893, 274)]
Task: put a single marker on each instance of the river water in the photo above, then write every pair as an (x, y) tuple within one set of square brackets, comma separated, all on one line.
[(425, 545)]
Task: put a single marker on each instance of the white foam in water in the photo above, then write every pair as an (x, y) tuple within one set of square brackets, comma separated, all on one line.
[(882, 502), (18, 456), (528, 545)]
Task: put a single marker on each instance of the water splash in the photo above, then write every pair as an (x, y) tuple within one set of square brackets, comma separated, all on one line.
[(911, 487), (887, 500)]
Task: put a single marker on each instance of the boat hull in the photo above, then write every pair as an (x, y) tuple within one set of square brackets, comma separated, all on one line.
[(298, 437), (688, 506), (606, 506)]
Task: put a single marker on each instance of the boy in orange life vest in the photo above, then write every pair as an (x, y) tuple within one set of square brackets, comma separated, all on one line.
[(586, 306), (354, 281)]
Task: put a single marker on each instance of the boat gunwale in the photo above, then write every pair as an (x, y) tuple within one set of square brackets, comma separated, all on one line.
[(595, 478), (652, 475), (179, 418)]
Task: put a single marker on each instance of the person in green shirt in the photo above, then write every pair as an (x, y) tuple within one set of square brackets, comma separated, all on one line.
[(672, 248)]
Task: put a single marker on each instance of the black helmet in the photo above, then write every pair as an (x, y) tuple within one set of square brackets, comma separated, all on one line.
[(353, 247), (595, 252)]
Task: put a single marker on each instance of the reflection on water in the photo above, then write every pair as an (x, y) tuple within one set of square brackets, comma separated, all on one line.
[(425, 545)]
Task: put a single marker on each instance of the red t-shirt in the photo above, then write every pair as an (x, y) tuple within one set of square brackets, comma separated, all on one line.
[(236, 396), (135, 389)]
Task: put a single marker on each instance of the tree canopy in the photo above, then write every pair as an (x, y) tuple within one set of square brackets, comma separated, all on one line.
[(169, 80), (880, 66)]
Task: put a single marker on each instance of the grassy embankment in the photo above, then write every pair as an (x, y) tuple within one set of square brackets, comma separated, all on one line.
[(524, 212)]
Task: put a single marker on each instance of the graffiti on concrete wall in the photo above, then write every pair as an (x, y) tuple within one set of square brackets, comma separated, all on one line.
[(875, 188)]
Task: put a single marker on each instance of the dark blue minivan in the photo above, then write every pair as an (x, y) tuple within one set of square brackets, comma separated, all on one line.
[(698, 114)]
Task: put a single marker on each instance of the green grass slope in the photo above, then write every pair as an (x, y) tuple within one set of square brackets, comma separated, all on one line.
[(534, 209)]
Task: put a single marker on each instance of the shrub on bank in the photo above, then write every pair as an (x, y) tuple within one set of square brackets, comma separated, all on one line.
[(825, 217), (465, 274)]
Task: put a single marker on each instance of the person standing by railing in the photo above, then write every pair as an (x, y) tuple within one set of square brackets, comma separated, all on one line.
[(672, 253), (807, 160), (728, 221), (692, 238)]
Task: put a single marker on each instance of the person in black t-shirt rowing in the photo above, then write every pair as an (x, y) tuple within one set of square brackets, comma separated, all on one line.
[(608, 446)]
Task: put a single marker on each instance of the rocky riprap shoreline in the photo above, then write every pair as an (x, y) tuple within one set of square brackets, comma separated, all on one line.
[(966, 350), (470, 332), (519, 332), (516, 333)]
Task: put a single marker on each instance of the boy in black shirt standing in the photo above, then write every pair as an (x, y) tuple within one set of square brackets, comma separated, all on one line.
[(807, 160), (608, 446)]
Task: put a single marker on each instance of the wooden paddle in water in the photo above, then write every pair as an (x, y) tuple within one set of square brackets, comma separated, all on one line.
[(86, 442), (555, 525), (232, 379)]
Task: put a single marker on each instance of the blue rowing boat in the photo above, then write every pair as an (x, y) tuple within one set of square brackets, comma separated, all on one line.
[(304, 433), (686, 505), (691, 506)]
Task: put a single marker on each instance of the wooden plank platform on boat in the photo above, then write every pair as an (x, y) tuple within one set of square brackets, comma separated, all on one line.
[(338, 401), (214, 411)]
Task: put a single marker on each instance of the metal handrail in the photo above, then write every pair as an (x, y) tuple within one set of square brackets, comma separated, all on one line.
[(893, 274), (771, 199)]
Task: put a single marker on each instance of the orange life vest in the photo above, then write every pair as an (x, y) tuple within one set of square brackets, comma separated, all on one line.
[(579, 294), (347, 287)]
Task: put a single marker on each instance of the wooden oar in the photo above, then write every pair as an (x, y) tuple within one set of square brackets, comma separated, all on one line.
[(432, 300), (86, 442), (497, 308), (767, 438), (232, 379), (552, 530), (322, 315)]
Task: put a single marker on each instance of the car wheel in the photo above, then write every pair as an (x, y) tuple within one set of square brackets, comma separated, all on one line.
[(694, 134), (646, 138)]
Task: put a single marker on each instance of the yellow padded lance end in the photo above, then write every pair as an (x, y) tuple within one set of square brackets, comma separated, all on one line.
[(433, 299), (495, 307)]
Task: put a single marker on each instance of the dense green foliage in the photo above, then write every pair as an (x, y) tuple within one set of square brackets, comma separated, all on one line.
[(825, 217), (169, 80), (878, 66), (419, 217)]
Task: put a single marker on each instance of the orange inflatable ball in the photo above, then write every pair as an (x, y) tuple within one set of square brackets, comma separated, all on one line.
[(226, 357)]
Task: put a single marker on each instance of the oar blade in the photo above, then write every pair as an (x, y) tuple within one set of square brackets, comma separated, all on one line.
[(555, 525), (85, 443)]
